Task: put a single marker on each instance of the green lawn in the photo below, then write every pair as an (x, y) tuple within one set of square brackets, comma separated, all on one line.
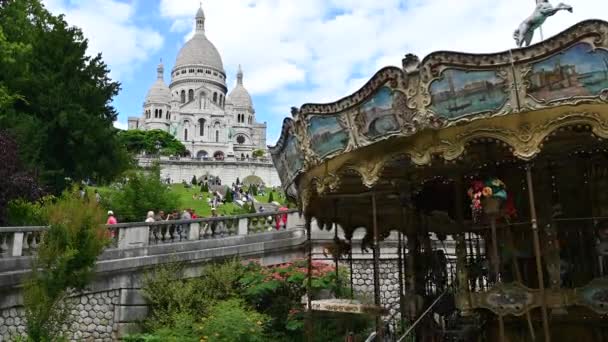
[(201, 207)]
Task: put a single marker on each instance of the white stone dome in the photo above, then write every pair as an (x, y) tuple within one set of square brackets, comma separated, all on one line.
[(239, 96), (159, 92), (199, 50)]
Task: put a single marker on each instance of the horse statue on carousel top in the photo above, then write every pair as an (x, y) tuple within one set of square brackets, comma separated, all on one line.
[(525, 32)]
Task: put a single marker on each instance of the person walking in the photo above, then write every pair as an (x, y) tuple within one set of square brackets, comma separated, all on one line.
[(97, 196), (150, 217), (111, 218)]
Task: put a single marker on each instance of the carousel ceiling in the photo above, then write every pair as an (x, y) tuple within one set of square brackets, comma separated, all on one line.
[(439, 107)]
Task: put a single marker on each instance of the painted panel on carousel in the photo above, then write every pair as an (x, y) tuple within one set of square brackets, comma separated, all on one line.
[(376, 117), (578, 71), (459, 93), (293, 159), (327, 135)]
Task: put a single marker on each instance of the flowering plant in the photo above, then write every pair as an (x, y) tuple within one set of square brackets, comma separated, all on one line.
[(479, 190)]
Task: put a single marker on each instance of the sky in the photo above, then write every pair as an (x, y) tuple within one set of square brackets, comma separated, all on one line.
[(296, 51)]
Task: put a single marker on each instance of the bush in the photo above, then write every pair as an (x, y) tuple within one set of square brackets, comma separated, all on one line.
[(231, 320), (142, 192), (270, 198), (171, 298), (193, 181), (257, 153), (24, 213), (64, 263)]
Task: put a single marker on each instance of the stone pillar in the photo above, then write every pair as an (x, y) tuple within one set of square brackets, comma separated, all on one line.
[(294, 220), (130, 311), (129, 237), (243, 226), (195, 231), (15, 244)]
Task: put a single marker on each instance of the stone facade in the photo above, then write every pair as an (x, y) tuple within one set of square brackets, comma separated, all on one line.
[(92, 318)]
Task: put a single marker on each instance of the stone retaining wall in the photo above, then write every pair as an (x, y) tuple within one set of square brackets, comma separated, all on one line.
[(92, 318), (363, 282)]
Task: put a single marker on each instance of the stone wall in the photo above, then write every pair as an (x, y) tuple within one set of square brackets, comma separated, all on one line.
[(92, 318), (228, 171), (363, 283)]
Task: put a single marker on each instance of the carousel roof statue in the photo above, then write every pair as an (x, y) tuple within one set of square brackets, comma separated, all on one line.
[(525, 130), (544, 9)]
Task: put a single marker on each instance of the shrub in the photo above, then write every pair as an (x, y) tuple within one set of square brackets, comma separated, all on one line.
[(64, 263), (143, 191), (270, 198), (172, 299), (231, 320), (24, 213), (193, 181)]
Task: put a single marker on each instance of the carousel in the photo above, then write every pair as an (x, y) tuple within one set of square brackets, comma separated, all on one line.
[(501, 156)]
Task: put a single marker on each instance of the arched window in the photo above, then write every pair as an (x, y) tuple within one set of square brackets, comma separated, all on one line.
[(183, 96), (185, 134), (160, 113), (217, 136), (201, 127), (155, 113), (168, 115), (190, 95), (221, 100), (215, 97)]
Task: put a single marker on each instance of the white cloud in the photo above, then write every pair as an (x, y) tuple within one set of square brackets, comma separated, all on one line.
[(321, 50), (110, 28), (121, 125)]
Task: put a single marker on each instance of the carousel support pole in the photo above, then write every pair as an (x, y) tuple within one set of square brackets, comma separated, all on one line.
[(309, 321), (519, 279), (379, 325), (400, 267), (537, 254), (336, 260), (496, 271)]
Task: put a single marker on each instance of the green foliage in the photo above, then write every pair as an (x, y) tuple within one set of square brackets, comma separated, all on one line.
[(24, 213), (64, 263), (252, 209), (143, 191), (258, 153), (229, 198), (137, 141), (57, 99), (270, 198), (230, 321), (172, 299), (193, 181), (205, 187), (254, 189)]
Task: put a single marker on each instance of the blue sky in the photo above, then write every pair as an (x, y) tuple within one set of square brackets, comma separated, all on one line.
[(295, 51)]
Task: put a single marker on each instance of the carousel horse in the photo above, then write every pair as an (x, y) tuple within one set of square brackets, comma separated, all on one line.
[(525, 32)]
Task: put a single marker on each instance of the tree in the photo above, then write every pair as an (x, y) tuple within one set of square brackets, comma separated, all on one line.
[(238, 181), (270, 198), (15, 181), (138, 141), (258, 153), (229, 197), (193, 181), (143, 191), (60, 110), (64, 264)]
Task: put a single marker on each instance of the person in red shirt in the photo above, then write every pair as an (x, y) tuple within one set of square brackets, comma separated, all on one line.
[(193, 214)]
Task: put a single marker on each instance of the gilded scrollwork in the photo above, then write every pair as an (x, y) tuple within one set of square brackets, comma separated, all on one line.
[(594, 296), (509, 299)]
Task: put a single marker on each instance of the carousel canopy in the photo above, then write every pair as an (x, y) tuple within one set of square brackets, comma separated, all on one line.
[(438, 110)]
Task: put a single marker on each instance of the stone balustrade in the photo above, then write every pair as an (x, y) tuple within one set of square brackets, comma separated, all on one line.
[(23, 241)]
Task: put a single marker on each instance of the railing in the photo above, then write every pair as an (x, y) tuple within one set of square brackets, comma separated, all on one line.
[(23, 241)]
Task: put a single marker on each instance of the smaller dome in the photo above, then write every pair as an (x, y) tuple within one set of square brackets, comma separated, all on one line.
[(159, 92), (239, 96)]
